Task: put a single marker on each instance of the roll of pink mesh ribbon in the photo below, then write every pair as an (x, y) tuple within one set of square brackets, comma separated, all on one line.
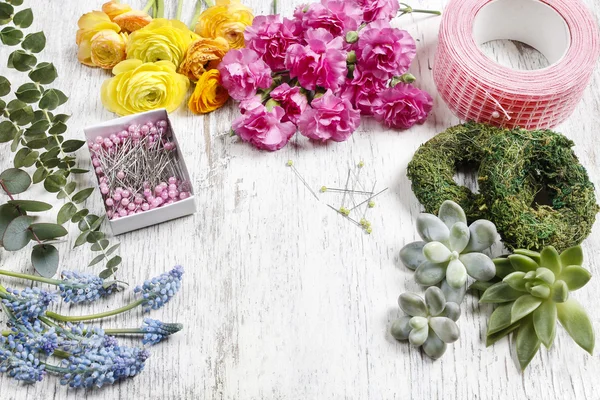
[(478, 89)]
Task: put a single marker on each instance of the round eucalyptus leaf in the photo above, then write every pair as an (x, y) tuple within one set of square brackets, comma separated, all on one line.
[(8, 131), (23, 18), (37, 128), (411, 255), (100, 245), (6, 11), (459, 236), (433, 346), (28, 93), (39, 175), (46, 231), (106, 273), (72, 145), (44, 73), (15, 2), (8, 213), (54, 183), (445, 328), (435, 300), (429, 274), (479, 266), (49, 100), (21, 116), (15, 180), (456, 274), (431, 228), (436, 252), (17, 235), (34, 42), (44, 258), (412, 304), (418, 336), (31, 205), (401, 328), (4, 86), (451, 213), (11, 36), (113, 262), (21, 60), (66, 212), (58, 128)]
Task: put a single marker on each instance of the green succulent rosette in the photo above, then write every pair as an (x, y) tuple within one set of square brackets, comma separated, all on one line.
[(533, 295)]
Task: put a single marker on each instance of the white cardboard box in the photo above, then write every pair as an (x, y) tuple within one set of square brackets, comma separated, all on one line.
[(157, 215)]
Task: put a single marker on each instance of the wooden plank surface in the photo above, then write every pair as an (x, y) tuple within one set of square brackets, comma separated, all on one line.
[(282, 298)]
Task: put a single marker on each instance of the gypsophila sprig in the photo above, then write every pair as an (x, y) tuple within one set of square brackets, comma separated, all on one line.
[(156, 331), (159, 291), (27, 304)]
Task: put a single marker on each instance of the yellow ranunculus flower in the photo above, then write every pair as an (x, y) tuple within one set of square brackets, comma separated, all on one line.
[(108, 48), (228, 19), (133, 20), (202, 55), (139, 86), (89, 25), (113, 8), (209, 94), (161, 39)]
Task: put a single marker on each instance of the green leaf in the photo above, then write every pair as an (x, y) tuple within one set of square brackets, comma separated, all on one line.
[(79, 171), (534, 255), (34, 42), (21, 116), (21, 60), (15, 2), (28, 93), (551, 259), (100, 245), (37, 143), (481, 286), (46, 231), (20, 157), (82, 195), (2, 106), (572, 256), (575, 277), (44, 258), (37, 128), (55, 182), (560, 291), (81, 214), (6, 11), (113, 262), (544, 322), (95, 236), (17, 233), (49, 100), (23, 18), (16, 141), (528, 343), (7, 214), (524, 306), (66, 213), (4, 86), (516, 280), (15, 180), (39, 175), (11, 36), (8, 130), (43, 73), (81, 239), (96, 260), (58, 128), (522, 263), (106, 273), (31, 205), (70, 187), (113, 249), (500, 319), (70, 146), (493, 338), (500, 293), (97, 222), (575, 320)]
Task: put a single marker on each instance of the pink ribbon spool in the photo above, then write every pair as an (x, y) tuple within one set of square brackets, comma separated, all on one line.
[(478, 89)]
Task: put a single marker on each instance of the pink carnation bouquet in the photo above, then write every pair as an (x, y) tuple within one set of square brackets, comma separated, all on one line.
[(320, 71)]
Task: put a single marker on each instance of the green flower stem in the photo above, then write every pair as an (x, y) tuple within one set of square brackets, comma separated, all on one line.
[(197, 12), (408, 10), (76, 318), (126, 331), (3, 290), (274, 6), (160, 9), (148, 6), (56, 369), (209, 3), (55, 282), (179, 9)]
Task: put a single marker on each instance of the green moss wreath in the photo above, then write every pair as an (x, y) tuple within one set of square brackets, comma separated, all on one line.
[(513, 165)]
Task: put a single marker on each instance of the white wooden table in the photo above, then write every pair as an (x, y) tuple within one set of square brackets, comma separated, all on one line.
[(282, 298)]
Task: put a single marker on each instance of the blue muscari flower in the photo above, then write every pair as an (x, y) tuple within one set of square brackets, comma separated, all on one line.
[(156, 331), (28, 304), (77, 287), (79, 338), (102, 365), (19, 358), (158, 291)]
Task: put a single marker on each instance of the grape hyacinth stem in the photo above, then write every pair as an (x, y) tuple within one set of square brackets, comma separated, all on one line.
[(76, 318), (49, 281)]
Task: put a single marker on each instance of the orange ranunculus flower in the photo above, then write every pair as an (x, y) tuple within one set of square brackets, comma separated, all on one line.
[(108, 48), (113, 8), (133, 20), (228, 19), (89, 25), (209, 94), (202, 55)]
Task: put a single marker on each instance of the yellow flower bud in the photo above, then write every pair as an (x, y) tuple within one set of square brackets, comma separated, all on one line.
[(139, 86), (228, 19), (202, 55), (112, 9), (209, 94), (89, 25), (108, 48), (133, 20), (161, 39)]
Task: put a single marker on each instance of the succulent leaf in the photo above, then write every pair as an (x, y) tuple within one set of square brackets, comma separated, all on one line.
[(500, 319), (429, 274), (431, 228), (418, 336), (544, 322), (435, 300), (524, 306), (481, 286), (503, 267), (479, 266), (418, 322), (483, 235), (436, 252), (501, 292), (560, 291), (534, 255), (575, 320), (540, 291), (551, 259), (494, 337), (459, 236), (516, 280), (412, 304), (411, 255), (527, 343), (456, 274), (522, 263), (451, 213), (453, 295), (575, 277), (401, 328), (445, 328), (545, 275), (434, 347), (572, 256), (452, 311)]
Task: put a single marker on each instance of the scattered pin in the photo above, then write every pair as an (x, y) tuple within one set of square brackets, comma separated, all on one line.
[(369, 199), (290, 164)]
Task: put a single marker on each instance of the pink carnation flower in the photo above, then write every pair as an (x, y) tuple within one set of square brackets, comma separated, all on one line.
[(363, 92), (403, 106), (262, 128), (379, 9), (336, 16), (270, 38), (383, 51), (243, 72), (292, 101), (322, 62), (329, 117)]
